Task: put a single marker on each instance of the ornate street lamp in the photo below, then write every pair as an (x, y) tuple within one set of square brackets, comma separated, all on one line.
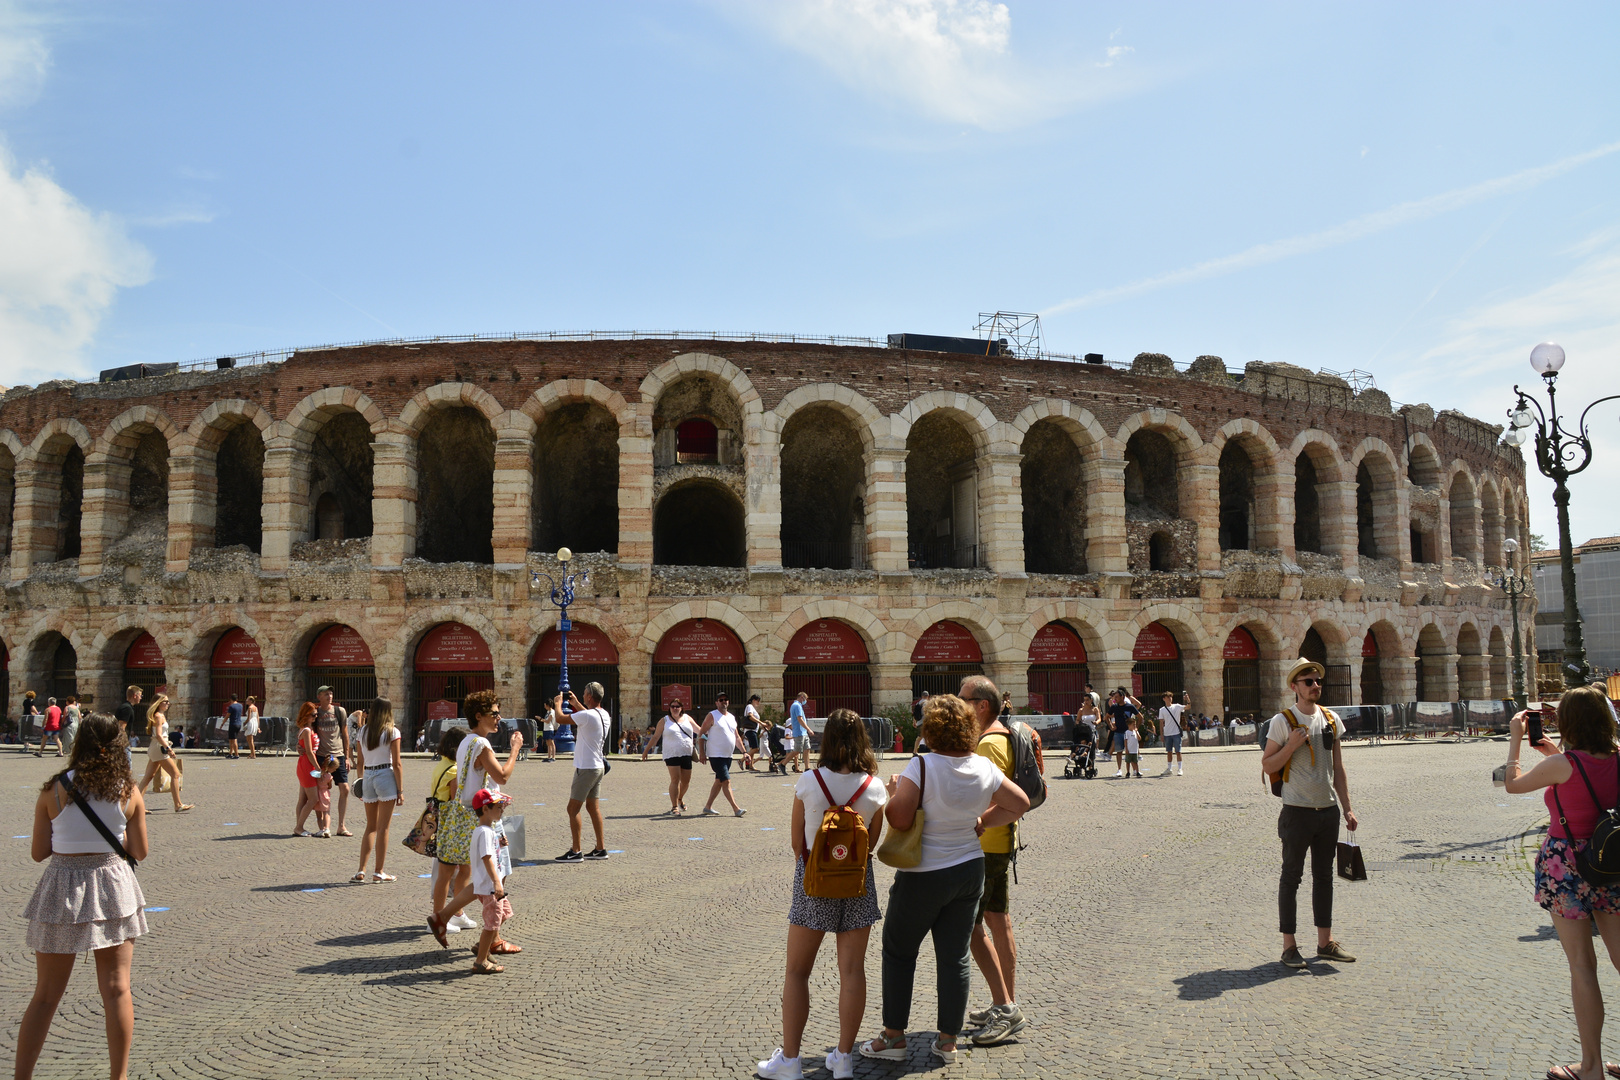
[(1560, 454), (562, 594), (1515, 582)]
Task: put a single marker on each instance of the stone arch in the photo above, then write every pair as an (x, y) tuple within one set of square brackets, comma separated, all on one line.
[(575, 467), (1473, 670), (1501, 663), (1185, 623), (699, 521), (862, 619), (1378, 503), (1087, 433), (1080, 618), (1490, 515), (1433, 652), (453, 428), (222, 464), (1060, 449), (974, 415), (676, 368), (399, 648), (753, 639), (947, 437), (824, 436), (1164, 459), (196, 643), (867, 419), (996, 644), (11, 455), (420, 409), (55, 464), (1463, 511), (1248, 467), (561, 392), (129, 478), (1422, 461)]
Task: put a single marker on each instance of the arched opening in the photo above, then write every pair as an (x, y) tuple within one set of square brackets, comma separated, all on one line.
[(1237, 498), (1156, 665), (1490, 514), (451, 662), (1431, 675), (1473, 672), (1161, 552), (340, 478), (827, 659), (148, 489), (695, 660), (8, 498), (942, 494), (1058, 670), (1501, 679), (340, 658), (1423, 470), (1423, 466), (1464, 533), (239, 503), (144, 667), (1240, 674), (237, 667), (592, 657), (70, 504), (60, 665), (1372, 672), (944, 655), (1150, 477), (1367, 544), (1307, 506), (1336, 680), (576, 479), (1054, 501), (455, 483), (823, 491), (699, 523), (696, 441)]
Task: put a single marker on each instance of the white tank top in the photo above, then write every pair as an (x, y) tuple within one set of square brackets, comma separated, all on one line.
[(72, 833), (160, 734), (677, 738)]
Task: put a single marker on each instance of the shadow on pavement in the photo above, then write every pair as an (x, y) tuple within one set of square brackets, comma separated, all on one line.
[(391, 967), (377, 937), (302, 886), (1208, 985), (254, 836)]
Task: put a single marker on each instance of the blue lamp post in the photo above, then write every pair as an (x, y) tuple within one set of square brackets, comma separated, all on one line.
[(562, 594)]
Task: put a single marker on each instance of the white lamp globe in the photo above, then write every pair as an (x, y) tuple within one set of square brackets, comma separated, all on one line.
[(1522, 418), (1510, 545), (564, 554), (1547, 358)]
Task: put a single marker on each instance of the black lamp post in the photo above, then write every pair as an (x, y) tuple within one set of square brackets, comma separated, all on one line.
[(1515, 582), (562, 594), (1560, 454)]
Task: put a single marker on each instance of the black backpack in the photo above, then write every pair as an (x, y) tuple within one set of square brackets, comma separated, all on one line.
[(1599, 864)]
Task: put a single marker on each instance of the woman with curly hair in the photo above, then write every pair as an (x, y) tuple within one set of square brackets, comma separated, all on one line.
[(159, 754), (313, 796), (959, 794), (88, 899), (1582, 782)]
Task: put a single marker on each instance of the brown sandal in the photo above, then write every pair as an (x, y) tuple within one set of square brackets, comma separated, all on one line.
[(487, 968)]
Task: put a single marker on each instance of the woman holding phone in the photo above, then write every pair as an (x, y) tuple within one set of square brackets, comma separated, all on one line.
[(1582, 782)]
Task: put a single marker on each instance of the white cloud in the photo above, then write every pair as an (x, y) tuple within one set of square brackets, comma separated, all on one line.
[(24, 56), (61, 267), (1485, 351), (951, 59), (1355, 229)]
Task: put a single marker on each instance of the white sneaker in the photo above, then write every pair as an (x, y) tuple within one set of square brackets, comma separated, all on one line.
[(1118, 774), (1179, 772), (1166, 772), (783, 1068), (450, 927), (463, 920), (841, 1065)]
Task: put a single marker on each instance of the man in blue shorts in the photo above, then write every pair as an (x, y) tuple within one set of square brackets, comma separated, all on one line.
[(1171, 728), (1122, 709), (799, 731)]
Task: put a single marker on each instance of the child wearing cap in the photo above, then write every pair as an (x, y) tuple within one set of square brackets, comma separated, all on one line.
[(487, 883)]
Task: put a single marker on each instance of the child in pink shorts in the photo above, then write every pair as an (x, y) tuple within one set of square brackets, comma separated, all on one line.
[(487, 883)]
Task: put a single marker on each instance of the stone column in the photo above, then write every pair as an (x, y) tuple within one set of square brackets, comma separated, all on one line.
[(1473, 677), (635, 491), (192, 487), (514, 490), (1400, 678), (1106, 549), (1274, 693), (762, 507), (886, 527), (1200, 499), (189, 684), (1274, 509), (1392, 518), (1336, 513), (1442, 536), (39, 497), (891, 685), (1110, 672), (106, 509), (1206, 682), (1441, 669), (1011, 677), (635, 689), (1001, 510), (286, 506), (393, 497), (766, 681)]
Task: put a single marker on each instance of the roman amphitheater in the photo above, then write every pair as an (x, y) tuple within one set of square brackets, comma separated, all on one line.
[(855, 521)]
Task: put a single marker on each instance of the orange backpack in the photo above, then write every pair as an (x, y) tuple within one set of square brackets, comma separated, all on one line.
[(835, 866)]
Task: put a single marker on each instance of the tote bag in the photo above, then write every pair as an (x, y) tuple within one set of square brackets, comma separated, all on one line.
[(902, 848)]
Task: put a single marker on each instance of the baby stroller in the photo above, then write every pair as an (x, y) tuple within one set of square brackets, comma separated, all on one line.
[(778, 751), (1082, 760)]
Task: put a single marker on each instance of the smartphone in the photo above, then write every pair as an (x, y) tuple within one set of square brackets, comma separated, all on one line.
[(1533, 729)]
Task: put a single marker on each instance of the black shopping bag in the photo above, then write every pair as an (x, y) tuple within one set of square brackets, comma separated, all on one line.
[(1351, 867)]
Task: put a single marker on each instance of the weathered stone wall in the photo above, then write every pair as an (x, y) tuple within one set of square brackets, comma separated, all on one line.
[(461, 452)]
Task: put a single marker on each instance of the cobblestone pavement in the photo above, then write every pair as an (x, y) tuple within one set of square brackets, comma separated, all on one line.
[(1145, 913)]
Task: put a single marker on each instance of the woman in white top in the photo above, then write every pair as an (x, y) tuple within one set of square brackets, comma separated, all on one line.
[(384, 786), (159, 754), (848, 772), (250, 727), (550, 727), (678, 734), (960, 794), (88, 899)]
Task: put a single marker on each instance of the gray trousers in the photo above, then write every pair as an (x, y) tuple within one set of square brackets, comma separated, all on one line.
[(941, 902)]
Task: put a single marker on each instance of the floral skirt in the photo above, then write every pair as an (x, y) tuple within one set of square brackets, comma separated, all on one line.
[(1561, 889), (833, 916), (456, 825), (85, 902)]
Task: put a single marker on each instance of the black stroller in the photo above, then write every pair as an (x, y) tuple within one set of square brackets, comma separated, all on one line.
[(1082, 760), (778, 750)]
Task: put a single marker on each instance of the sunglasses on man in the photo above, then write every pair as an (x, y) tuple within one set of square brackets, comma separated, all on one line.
[(1310, 681)]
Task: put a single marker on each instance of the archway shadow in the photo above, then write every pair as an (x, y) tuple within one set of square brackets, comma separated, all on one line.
[(1209, 985)]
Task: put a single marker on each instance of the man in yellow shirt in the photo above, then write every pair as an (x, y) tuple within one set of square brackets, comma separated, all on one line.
[(996, 953)]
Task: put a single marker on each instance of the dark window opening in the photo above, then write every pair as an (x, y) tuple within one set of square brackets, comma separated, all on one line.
[(1237, 499), (1366, 529), (1150, 477), (71, 505), (1307, 506), (239, 504), (340, 469), (1159, 552), (696, 441), (576, 480), (699, 525), (455, 509), (1054, 502), (823, 491)]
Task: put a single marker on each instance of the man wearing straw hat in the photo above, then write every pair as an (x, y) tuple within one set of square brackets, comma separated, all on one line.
[(1302, 748)]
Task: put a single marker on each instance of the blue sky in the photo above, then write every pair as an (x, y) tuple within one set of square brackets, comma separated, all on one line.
[(1420, 190)]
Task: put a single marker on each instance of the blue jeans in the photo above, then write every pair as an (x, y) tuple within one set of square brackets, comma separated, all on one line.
[(1172, 744)]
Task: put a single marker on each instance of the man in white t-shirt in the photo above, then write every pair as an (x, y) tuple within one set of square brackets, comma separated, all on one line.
[(1302, 747), (717, 741), (1171, 729), (590, 722), (753, 731)]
